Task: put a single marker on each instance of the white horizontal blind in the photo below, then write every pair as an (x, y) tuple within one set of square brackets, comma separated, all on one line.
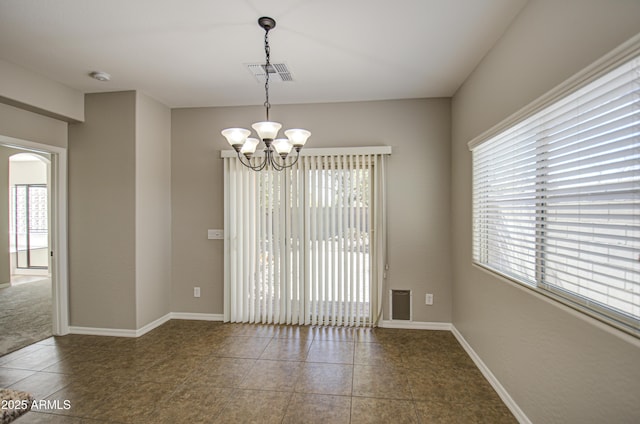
[(306, 245), (556, 198)]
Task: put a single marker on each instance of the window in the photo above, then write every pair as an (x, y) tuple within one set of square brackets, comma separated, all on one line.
[(28, 225), (306, 245), (556, 199)]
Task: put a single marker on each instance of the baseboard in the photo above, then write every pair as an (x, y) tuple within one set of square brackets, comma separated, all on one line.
[(197, 316), (95, 331), (416, 325), (4, 285), (152, 325), (118, 332), (499, 388)]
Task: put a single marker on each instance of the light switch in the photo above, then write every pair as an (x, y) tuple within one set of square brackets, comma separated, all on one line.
[(215, 234)]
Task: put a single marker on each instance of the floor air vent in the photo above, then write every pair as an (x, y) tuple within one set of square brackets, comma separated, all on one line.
[(401, 305)]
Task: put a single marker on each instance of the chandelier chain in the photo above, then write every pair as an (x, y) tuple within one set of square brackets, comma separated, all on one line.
[(277, 152), (267, 52)]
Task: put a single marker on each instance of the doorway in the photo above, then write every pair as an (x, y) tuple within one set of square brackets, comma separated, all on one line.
[(26, 313), (33, 227)]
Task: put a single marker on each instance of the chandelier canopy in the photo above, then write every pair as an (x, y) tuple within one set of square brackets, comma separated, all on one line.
[(276, 149)]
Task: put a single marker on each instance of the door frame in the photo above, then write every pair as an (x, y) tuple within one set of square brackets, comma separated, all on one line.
[(58, 231)]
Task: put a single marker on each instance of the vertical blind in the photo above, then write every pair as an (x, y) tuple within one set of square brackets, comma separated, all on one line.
[(556, 198), (306, 245)]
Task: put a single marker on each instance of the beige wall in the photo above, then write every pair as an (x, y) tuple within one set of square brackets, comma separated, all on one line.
[(557, 366), (120, 212), (18, 123), (31, 91), (102, 213), (418, 131), (153, 209)]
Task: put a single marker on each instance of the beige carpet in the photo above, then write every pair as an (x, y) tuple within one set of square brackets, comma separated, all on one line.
[(14, 404), (25, 315)]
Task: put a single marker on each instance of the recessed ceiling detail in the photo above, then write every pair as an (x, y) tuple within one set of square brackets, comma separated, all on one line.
[(278, 72)]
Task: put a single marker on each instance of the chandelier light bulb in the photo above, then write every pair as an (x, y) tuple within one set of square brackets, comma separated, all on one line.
[(267, 130), (249, 147), (283, 146), (297, 136), (236, 137)]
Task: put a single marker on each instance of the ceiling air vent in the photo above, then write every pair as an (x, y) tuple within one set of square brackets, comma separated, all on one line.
[(278, 72)]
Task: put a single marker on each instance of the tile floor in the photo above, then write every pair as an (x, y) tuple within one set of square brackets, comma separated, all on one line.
[(205, 372)]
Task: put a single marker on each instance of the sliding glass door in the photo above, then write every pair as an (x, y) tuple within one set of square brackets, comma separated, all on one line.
[(306, 245)]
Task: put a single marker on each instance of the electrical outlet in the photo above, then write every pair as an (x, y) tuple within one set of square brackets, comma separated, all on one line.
[(196, 292), (428, 299)]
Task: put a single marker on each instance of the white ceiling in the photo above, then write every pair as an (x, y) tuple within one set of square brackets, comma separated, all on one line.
[(189, 53)]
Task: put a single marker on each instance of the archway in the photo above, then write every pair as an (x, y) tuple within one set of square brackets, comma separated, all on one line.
[(55, 159)]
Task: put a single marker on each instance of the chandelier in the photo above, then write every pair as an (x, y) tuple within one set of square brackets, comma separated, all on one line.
[(276, 149)]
